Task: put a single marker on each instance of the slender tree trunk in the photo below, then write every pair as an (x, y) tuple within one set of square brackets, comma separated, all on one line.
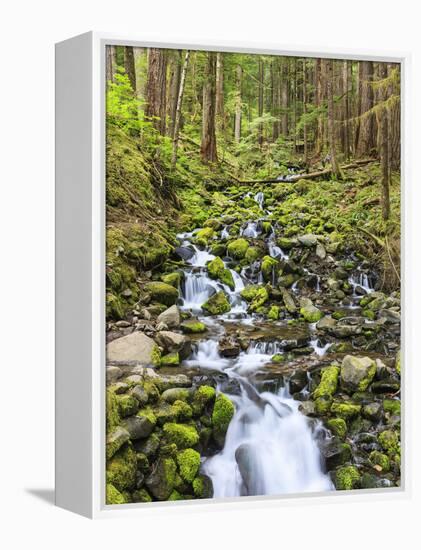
[(383, 122), (394, 119), (345, 103), (238, 102), (260, 100), (129, 66), (330, 120), (366, 131), (220, 90), (208, 146), (111, 63), (276, 98), (174, 87), (305, 113), (284, 97), (156, 88), (177, 121)]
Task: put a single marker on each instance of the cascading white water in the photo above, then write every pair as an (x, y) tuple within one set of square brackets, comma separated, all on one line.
[(251, 230), (275, 251), (260, 199), (225, 233), (361, 280)]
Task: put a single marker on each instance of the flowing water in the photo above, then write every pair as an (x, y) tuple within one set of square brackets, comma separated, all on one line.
[(270, 447)]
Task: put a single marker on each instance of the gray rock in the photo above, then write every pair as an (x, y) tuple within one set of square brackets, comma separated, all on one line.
[(357, 372), (140, 394), (288, 301), (174, 342), (373, 411), (138, 426), (308, 408), (308, 240), (161, 326), (171, 317), (320, 251), (344, 331), (335, 453), (161, 481), (134, 347), (112, 374), (115, 440), (228, 347), (176, 394), (391, 316), (326, 323)]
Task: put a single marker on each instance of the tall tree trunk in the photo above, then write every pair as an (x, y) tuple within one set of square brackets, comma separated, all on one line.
[(394, 119), (111, 63), (129, 66), (366, 131), (260, 99), (330, 120), (383, 122), (305, 113), (345, 110), (177, 121), (208, 146), (276, 98), (238, 102), (284, 97), (156, 88), (174, 86), (295, 97), (220, 90), (320, 97)]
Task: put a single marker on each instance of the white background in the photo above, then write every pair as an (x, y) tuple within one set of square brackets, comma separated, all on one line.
[(29, 30)]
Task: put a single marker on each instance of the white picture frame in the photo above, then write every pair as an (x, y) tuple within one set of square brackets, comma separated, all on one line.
[(80, 278)]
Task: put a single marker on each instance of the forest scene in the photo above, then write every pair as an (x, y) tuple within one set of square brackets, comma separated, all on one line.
[(252, 275)]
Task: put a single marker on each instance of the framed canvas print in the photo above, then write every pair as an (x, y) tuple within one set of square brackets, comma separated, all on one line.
[(229, 282)]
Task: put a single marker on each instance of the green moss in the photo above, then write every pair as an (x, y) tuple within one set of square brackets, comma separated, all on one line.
[(273, 313), (337, 426), (217, 304), (192, 326), (328, 383), (172, 279), (115, 440), (148, 413), (369, 314), (398, 362), (345, 410), (127, 405), (121, 469), (323, 404), (378, 459), (253, 253), (188, 464), (260, 298), (217, 270), (182, 435), (175, 495), (278, 358), (223, 411), (311, 313), (202, 397), (182, 411), (162, 292), (152, 391), (170, 360), (237, 249), (268, 266), (392, 406), (113, 496), (202, 487), (389, 440), (141, 495), (112, 411), (206, 234), (347, 478), (286, 280)]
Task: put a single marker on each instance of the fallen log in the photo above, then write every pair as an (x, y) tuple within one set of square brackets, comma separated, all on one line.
[(311, 175)]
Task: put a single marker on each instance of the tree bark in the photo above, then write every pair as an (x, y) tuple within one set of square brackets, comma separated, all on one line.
[(174, 86), (129, 66), (111, 63), (156, 91), (208, 145), (366, 131), (383, 123), (305, 113), (284, 97), (238, 102), (330, 121), (220, 90), (177, 120), (260, 100)]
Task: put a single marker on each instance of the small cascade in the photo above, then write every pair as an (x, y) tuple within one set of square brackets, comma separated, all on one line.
[(200, 258), (318, 349), (225, 233), (197, 288), (260, 199), (275, 251), (362, 281), (251, 230)]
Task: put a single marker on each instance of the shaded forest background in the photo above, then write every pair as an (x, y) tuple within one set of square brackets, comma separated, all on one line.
[(184, 125)]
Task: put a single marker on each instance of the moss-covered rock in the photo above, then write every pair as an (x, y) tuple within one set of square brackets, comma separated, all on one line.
[(237, 249), (328, 383), (127, 405), (278, 358), (182, 411), (172, 279), (113, 495), (379, 461), (357, 373), (347, 478), (217, 270), (203, 396), (161, 481), (392, 406), (193, 326), (202, 487), (188, 462), (223, 411), (115, 440), (217, 304), (170, 360), (206, 234), (162, 292), (323, 404), (337, 426), (345, 410), (389, 441), (253, 253), (112, 412), (309, 311), (121, 468), (183, 435), (268, 268), (273, 313), (141, 495)]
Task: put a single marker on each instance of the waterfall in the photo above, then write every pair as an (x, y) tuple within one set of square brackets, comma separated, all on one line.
[(225, 233), (251, 230), (361, 280), (259, 198)]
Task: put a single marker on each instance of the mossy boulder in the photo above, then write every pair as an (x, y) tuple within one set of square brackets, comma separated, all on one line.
[(172, 279), (206, 234), (357, 373), (170, 360), (392, 406), (286, 244), (127, 405), (115, 440), (268, 268), (328, 383), (323, 404), (161, 481), (182, 410), (203, 396), (217, 304), (183, 435), (135, 347), (249, 292), (389, 441), (113, 495), (193, 326), (237, 249), (223, 411), (112, 412), (309, 311), (253, 253), (336, 453), (379, 461), (121, 469), (141, 495), (188, 462), (162, 292), (202, 487), (273, 313), (347, 478), (257, 295), (337, 426), (217, 270), (345, 409)]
